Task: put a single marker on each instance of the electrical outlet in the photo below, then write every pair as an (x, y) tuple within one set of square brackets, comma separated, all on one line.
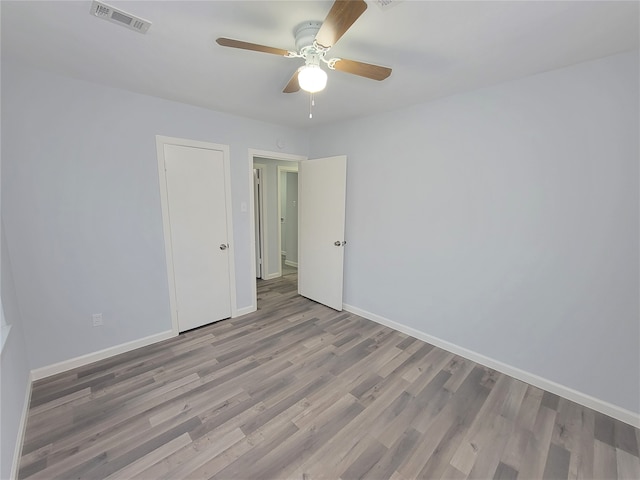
[(97, 319)]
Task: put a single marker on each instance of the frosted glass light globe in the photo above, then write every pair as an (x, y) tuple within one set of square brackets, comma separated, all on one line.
[(312, 78)]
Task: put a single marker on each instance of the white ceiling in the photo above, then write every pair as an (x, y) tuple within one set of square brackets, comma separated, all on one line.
[(435, 49)]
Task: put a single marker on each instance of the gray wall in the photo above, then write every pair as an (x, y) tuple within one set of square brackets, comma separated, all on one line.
[(81, 206), (505, 221)]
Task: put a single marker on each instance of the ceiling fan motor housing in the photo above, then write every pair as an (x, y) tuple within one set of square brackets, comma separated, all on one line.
[(306, 33)]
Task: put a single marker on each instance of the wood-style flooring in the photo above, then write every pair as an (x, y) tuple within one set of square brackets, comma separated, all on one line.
[(299, 391)]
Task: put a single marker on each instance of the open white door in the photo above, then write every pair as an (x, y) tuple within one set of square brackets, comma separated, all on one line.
[(322, 185)]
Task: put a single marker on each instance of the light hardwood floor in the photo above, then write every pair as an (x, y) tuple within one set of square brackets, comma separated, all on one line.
[(299, 391)]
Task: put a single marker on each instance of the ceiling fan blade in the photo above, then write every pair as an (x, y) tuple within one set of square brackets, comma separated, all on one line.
[(342, 15), (229, 42), (374, 72), (293, 85)]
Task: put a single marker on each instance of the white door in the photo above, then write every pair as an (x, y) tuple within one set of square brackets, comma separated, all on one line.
[(197, 215), (322, 185)]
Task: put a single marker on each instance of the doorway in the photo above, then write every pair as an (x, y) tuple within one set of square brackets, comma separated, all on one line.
[(318, 251), (275, 216), (266, 214)]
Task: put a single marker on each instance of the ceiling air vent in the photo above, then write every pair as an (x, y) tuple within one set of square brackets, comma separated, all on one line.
[(102, 10)]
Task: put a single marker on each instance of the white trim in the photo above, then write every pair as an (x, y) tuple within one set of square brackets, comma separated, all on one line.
[(83, 360), (285, 157), (601, 406), (22, 429), (245, 310), (291, 264), (161, 141), (252, 154)]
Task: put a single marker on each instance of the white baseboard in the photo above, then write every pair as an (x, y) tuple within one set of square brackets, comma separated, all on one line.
[(245, 310), (82, 360), (22, 428), (291, 264), (601, 406), (271, 276)]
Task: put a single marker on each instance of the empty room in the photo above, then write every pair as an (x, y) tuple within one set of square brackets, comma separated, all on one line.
[(382, 239)]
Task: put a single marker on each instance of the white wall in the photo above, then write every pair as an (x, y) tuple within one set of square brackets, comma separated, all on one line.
[(81, 206), (505, 221)]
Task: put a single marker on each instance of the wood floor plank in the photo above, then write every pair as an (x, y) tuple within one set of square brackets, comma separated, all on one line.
[(151, 458), (627, 465), (581, 461), (365, 461), (557, 462), (505, 472), (605, 462), (395, 455), (440, 461), (535, 455), (442, 431), (297, 391)]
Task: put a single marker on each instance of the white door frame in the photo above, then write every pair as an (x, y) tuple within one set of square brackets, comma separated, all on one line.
[(263, 186), (255, 153), (161, 141), (282, 169)]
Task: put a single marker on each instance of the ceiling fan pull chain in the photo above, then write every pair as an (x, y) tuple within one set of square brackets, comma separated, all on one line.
[(312, 103)]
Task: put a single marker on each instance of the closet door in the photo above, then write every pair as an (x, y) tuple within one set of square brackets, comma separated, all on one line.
[(199, 247)]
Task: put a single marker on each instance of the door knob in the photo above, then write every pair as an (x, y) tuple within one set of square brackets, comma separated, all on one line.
[(338, 243), (223, 246)]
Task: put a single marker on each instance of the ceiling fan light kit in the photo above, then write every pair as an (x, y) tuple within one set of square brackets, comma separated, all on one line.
[(313, 41), (312, 78)]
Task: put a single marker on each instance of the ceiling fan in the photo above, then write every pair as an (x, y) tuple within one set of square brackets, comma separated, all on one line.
[(313, 41)]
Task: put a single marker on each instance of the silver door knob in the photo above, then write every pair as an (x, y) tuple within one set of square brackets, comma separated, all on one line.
[(223, 246), (337, 243)]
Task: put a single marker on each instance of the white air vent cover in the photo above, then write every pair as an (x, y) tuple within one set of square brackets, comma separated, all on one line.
[(115, 15)]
